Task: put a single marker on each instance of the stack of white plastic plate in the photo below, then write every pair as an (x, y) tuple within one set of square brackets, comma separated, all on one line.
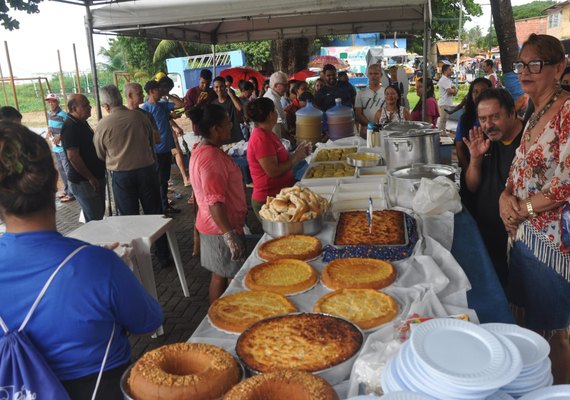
[(452, 359), (405, 395), (534, 351), (557, 392), (500, 395)]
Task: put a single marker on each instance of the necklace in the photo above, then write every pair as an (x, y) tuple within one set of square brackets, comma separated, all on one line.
[(533, 121)]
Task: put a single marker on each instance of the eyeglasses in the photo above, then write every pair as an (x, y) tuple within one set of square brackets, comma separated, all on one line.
[(533, 66)]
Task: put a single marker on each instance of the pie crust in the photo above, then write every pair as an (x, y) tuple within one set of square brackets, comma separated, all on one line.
[(388, 228), (306, 342), (358, 273), (367, 308), (286, 276), (235, 312), (299, 247)]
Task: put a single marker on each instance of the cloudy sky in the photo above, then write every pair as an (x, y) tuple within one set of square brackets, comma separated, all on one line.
[(33, 47)]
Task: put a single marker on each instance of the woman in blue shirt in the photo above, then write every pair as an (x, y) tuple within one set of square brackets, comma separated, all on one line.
[(92, 292)]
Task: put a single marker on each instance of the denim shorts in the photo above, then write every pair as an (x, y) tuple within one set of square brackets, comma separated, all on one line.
[(539, 290)]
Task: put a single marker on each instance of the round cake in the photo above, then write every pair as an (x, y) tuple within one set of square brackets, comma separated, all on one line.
[(184, 371), (367, 308), (287, 276), (358, 273), (236, 312), (299, 247), (283, 385), (307, 342)]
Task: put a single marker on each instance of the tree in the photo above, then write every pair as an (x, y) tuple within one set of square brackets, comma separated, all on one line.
[(506, 32), (530, 10), (29, 6), (445, 21)]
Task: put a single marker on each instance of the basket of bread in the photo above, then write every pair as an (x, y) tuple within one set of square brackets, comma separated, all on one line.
[(293, 210)]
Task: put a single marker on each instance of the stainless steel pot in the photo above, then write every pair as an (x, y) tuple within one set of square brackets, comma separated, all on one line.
[(404, 148), (404, 182)]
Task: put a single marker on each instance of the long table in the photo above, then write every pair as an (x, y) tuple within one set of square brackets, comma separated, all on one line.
[(486, 295), (436, 272)]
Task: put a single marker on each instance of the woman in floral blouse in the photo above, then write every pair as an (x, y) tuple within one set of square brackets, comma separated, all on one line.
[(537, 188)]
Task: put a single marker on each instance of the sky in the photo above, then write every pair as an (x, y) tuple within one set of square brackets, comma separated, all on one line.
[(33, 47)]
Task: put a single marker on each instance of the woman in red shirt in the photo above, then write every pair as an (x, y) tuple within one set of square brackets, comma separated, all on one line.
[(270, 164), (217, 183)]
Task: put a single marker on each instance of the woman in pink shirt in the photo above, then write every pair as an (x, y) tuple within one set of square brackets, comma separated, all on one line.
[(217, 183), (270, 164)]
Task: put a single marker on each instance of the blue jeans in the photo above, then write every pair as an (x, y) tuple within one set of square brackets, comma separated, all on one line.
[(92, 203), (62, 164), (130, 187)]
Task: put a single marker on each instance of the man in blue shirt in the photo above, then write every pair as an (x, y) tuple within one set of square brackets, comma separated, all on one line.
[(56, 118), (161, 110)]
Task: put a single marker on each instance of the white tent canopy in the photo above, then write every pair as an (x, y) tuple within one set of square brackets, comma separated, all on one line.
[(223, 21)]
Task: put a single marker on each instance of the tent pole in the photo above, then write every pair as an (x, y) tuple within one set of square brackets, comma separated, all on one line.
[(90, 45), (214, 58), (427, 41)]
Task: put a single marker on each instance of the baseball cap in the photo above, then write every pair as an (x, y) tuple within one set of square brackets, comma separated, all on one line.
[(51, 96), (150, 85)]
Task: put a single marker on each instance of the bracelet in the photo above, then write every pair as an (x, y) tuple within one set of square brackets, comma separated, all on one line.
[(529, 208)]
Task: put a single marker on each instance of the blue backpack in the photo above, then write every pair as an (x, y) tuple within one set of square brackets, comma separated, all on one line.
[(24, 373)]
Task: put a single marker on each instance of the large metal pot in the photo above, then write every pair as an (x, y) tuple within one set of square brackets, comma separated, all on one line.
[(404, 182), (406, 147)]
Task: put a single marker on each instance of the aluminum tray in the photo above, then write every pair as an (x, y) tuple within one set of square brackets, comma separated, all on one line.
[(333, 375), (375, 160), (276, 229), (329, 179), (314, 158), (405, 227)]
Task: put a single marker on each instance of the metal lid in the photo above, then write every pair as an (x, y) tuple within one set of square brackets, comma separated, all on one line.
[(404, 126), (414, 133), (418, 171)]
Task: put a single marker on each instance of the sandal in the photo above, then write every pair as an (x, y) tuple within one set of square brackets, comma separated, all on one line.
[(66, 199)]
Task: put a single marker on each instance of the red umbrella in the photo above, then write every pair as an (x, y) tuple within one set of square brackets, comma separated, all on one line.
[(302, 75), (320, 61), (239, 73)]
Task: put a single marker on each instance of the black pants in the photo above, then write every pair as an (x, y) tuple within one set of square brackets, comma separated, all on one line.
[(130, 187), (109, 388), (164, 163)]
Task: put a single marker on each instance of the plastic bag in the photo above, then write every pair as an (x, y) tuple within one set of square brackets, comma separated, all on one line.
[(436, 196)]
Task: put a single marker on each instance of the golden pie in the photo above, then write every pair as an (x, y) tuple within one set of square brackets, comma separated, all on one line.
[(358, 273), (306, 342), (286, 276), (299, 247), (367, 308), (235, 312), (388, 228)]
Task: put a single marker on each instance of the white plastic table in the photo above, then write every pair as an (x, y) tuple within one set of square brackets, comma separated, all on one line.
[(138, 232)]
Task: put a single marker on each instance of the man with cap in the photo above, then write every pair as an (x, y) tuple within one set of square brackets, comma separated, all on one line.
[(163, 150), (56, 118)]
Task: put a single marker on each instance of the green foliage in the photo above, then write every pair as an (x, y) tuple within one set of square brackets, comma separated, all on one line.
[(256, 53), (530, 10), (29, 6), (445, 21), (130, 54)]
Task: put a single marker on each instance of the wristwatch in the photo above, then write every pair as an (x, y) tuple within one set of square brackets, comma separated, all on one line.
[(529, 208)]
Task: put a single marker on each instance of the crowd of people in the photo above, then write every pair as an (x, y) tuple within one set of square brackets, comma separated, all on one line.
[(515, 178)]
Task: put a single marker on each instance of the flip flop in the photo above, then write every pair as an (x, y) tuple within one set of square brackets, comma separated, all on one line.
[(67, 199)]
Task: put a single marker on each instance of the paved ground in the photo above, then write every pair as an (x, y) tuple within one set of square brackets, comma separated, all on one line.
[(182, 314)]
